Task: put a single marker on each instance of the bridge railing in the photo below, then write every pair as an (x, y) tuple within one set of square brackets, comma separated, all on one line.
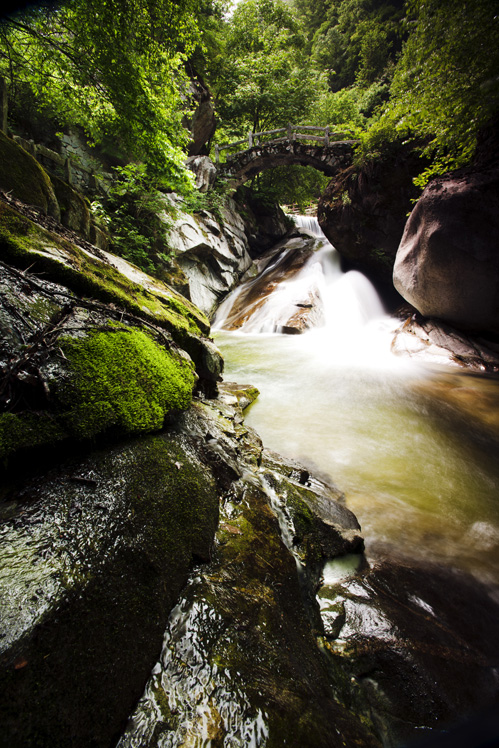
[(291, 133)]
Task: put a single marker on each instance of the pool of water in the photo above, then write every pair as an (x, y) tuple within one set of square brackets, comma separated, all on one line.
[(419, 471)]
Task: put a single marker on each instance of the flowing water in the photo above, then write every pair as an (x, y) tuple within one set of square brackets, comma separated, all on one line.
[(403, 442)]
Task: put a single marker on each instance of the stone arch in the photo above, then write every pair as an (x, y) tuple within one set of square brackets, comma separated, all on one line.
[(328, 159)]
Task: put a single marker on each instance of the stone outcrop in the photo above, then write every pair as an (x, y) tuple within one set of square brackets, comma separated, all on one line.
[(363, 211), (87, 271), (447, 265), (22, 176), (212, 252), (265, 224), (202, 123)]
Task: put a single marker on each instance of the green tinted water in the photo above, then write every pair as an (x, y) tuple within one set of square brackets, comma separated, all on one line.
[(419, 471)]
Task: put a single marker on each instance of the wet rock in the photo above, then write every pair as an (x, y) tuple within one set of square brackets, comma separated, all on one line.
[(435, 342), (93, 558), (242, 394), (210, 363), (447, 264), (251, 309), (415, 658), (239, 660)]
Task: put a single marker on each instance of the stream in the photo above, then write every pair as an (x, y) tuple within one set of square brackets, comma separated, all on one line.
[(400, 439)]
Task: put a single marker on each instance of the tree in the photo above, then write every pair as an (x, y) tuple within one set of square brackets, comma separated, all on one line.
[(266, 80), (446, 86), (114, 67)]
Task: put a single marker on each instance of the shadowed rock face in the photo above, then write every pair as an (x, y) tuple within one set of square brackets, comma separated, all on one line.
[(447, 265), (418, 642), (363, 211)]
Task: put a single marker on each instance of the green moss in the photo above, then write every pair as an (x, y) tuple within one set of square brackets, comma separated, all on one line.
[(25, 244), (122, 378), (24, 430), (22, 175)]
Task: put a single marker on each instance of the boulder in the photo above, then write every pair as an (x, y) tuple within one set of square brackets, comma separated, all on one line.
[(363, 211), (447, 264), (23, 177), (212, 252), (93, 557), (416, 642)]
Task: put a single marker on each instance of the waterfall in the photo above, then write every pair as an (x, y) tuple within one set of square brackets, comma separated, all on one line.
[(310, 224), (317, 295)]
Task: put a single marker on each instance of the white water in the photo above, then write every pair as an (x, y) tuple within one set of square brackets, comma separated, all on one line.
[(338, 400)]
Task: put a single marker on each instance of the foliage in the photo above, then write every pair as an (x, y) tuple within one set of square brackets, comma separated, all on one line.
[(355, 41), (213, 201), (130, 212), (265, 80), (113, 67), (446, 86), (340, 110), (290, 185)]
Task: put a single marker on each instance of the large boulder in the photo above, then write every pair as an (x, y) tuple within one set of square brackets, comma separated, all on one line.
[(363, 211), (447, 265), (22, 176), (93, 557)]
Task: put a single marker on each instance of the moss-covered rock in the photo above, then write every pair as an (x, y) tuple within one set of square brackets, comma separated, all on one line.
[(92, 559), (75, 213), (70, 369), (122, 378), (22, 175), (25, 244)]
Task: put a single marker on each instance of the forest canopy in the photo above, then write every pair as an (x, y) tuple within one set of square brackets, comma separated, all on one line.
[(425, 71)]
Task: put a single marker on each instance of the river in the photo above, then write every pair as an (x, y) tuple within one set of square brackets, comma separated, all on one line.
[(418, 470)]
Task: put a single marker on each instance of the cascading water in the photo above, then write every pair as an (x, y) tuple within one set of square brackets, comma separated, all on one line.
[(336, 398)]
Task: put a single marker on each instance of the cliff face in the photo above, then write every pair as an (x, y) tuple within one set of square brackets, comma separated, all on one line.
[(363, 212)]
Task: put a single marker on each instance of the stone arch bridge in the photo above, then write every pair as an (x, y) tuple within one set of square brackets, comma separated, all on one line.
[(327, 153)]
